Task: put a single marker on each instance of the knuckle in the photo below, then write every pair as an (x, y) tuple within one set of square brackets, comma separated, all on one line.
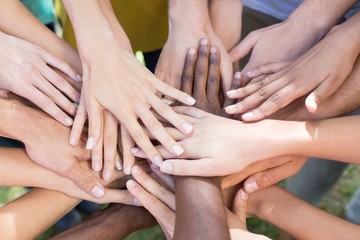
[(110, 140), (213, 60), (150, 200), (161, 192), (213, 79), (86, 181), (262, 91), (203, 52), (199, 73), (185, 77), (265, 181)]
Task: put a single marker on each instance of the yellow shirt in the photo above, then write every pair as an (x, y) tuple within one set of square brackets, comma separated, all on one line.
[(144, 21)]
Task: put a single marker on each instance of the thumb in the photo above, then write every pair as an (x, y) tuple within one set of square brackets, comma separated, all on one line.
[(240, 206), (243, 48)]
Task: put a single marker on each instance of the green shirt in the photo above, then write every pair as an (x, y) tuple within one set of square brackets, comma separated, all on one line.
[(41, 9)]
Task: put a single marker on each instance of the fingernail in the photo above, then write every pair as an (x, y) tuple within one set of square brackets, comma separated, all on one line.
[(98, 191), (231, 93), (154, 167), (118, 165), (158, 160), (187, 127), (107, 175), (204, 41), (127, 169), (192, 51), (68, 121), (72, 140), (248, 115), (131, 183), (231, 108), (90, 143), (166, 167), (244, 195), (251, 186), (96, 166), (167, 101), (178, 150), (250, 74), (237, 75), (136, 170), (190, 100), (135, 150), (78, 77), (137, 202)]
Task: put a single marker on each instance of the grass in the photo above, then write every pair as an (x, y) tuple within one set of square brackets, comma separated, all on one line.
[(334, 203)]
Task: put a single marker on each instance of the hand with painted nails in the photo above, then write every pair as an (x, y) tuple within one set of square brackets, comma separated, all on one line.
[(26, 70), (275, 85)]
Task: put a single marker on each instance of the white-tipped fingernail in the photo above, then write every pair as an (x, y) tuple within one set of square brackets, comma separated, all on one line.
[(72, 140), (237, 75), (78, 77), (96, 166), (244, 195), (231, 108), (137, 203), (167, 101), (250, 74), (166, 167), (90, 143), (135, 150), (192, 51), (127, 169), (231, 93), (98, 191), (187, 127), (158, 160), (178, 150), (247, 115), (107, 175), (118, 165), (68, 121), (191, 100), (251, 186), (204, 41), (131, 183)]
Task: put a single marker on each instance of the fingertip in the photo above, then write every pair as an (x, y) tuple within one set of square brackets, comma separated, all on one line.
[(166, 167), (251, 186), (90, 143), (190, 100), (98, 191), (311, 104)]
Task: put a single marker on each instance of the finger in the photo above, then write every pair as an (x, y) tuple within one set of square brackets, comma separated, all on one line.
[(168, 113), (78, 125), (85, 180), (173, 132), (191, 112), (55, 95), (157, 208), (205, 167), (201, 70), (173, 93), (165, 179), (266, 69), (213, 81), (240, 205), (61, 65), (110, 144), (235, 84), (323, 91), (97, 154), (272, 176), (187, 75), (142, 140), (250, 88), (158, 131), (48, 106), (243, 48), (137, 152), (127, 144), (60, 83), (153, 187), (95, 115), (275, 102), (226, 72), (117, 196)]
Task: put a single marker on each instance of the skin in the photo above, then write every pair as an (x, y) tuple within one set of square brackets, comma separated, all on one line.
[(139, 88), (316, 71)]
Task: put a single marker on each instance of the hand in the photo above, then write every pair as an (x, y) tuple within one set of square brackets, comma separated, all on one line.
[(47, 145), (183, 37), (26, 71), (201, 78), (276, 85)]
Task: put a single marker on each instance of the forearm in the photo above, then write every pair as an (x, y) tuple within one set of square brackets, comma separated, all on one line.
[(200, 200), (115, 222), (31, 214), (17, 21), (312, 20), (276, 204), (226, 19)]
